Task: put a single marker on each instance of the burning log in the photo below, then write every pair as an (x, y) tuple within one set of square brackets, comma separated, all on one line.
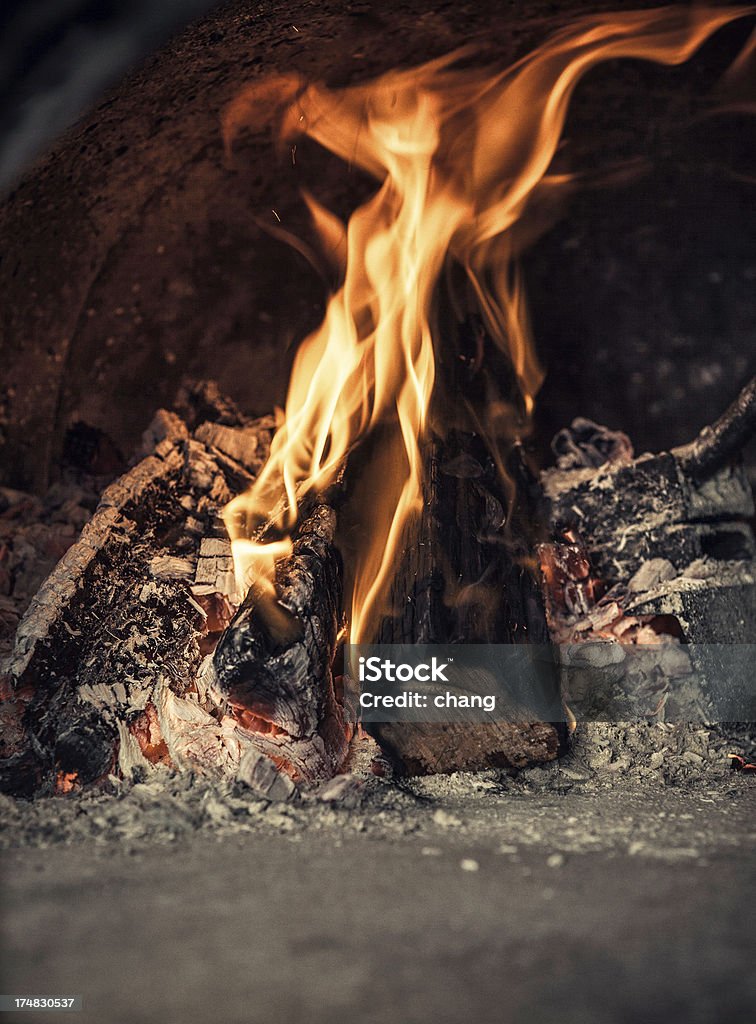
[(372, 365), (273, 664), (463, 581), (466, 574)]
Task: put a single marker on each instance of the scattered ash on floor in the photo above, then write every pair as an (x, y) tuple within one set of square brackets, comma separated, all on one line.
[(636, 765)]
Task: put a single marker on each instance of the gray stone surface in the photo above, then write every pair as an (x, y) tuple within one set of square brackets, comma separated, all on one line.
[(461, 899)]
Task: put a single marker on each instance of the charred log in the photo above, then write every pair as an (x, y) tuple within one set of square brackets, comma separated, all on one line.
[(102, 675), (273, 664), (658, 552), (464, 578), (684, 505), (466, 570)]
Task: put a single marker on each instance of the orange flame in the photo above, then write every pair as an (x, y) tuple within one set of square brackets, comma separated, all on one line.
[(461, 155)]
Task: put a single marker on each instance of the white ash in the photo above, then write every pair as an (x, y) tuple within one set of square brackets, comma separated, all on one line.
[(634, 765), (651, 574)]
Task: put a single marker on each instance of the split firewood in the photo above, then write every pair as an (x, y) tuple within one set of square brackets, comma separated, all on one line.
[(462, 580), (466, 571)]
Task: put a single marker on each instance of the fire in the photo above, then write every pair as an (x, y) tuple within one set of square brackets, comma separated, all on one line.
[(462, 157)]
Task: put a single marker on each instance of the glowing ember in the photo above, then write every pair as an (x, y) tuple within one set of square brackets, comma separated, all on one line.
[(462, 156), (256, 723), (65, 782), (146, 730)]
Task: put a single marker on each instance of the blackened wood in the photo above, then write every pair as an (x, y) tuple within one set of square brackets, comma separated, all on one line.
[(202, 401), (273, 665), (464, 578), (76, 739), (464, 575), (724, 439), (655, 506), (667, 535), (20, 768), (111, 527), (116, 633)]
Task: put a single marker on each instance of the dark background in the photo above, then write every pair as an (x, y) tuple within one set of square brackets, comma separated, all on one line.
[(132, 253), (57, 56)]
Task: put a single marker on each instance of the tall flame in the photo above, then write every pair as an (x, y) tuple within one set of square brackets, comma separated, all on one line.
[(461, 155)]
